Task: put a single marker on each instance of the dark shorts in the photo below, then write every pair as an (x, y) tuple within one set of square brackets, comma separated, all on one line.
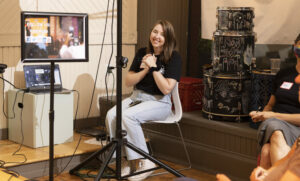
[(267, 127)]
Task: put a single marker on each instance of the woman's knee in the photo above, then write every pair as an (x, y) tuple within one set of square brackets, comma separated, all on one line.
[(110, 116), (129, 119), (277, 137)]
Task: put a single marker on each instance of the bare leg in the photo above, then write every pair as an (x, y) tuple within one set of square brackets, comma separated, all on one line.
[(265, 160), (222, 177), (278, 148)]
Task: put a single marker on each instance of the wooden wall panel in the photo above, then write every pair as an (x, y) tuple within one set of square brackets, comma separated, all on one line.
[(175, 11)]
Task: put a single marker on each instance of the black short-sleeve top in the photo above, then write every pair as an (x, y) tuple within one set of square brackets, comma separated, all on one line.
[(286, 91), (170, 70)]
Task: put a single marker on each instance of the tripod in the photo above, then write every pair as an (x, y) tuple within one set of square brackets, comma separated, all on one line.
[(119, 141)]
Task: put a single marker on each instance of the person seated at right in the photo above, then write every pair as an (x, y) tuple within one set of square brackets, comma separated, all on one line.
[(281, 116), (286, 169)]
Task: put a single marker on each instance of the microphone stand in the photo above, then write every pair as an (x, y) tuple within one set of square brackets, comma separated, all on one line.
[(116, 144)]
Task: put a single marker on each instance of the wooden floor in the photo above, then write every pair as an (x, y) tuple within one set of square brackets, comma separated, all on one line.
[(190, 173), (7, 176), (7, 148)]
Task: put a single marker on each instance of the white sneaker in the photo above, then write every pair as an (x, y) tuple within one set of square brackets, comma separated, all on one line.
[(144, 164), (125, 168)]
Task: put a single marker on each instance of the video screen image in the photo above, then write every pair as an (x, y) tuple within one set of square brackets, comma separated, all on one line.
[(54, 37)]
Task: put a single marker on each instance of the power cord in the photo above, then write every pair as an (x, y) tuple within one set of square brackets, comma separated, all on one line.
[(3, 106), (96, 76), (80, 138), (8, 82), (110, 68), (93, 92), (3, 163), (12, 173), (108, 71), (13, 108), (75, 121), (97, 72), (20, 105)]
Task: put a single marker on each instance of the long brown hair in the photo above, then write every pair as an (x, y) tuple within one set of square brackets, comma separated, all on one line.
[(170, 40)]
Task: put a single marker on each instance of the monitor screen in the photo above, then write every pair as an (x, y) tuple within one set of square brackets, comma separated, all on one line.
[(60, 37)]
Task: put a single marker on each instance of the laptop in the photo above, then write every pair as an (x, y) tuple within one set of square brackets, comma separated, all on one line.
[(37, 78)]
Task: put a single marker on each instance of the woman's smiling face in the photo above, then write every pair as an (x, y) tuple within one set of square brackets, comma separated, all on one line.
[(157, 38)]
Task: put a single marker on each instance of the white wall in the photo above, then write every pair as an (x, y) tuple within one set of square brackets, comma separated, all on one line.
[(79, 76), (275, 22)]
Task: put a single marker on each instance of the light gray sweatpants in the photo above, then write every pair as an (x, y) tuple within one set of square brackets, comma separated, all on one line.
[(152, 108)]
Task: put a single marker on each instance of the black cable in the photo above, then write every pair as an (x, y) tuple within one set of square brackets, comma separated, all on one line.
[(22, 134), (3, 163), (13, 108), (8, 82), (10, 178), (4, 80), (109, 69), (78, 95), (75, 121), (71, 157), (12, 173), (93, 92)]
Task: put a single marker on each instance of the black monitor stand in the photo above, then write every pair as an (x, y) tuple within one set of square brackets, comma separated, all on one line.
[(51, 123), (116, 144)]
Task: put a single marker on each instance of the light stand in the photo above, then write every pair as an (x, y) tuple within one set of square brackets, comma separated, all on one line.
[(51, 123), (116, 144)]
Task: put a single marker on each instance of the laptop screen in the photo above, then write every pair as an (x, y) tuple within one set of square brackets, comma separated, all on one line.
[(37, 77)]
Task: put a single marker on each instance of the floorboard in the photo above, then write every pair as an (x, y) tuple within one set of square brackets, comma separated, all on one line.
[(7, 148), (190, 173), (7, 176), (33, 155)]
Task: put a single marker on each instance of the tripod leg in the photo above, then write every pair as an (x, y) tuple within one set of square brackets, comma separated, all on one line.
[(141, 152), (105, 162), (91, 157)]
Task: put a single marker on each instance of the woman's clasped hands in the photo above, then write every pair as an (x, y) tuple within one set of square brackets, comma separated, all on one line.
[(148, 61)]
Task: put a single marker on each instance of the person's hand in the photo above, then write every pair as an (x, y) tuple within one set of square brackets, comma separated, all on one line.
[(222, 177), (258, 174), (143, 65), (257, 116), (150, 61)]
